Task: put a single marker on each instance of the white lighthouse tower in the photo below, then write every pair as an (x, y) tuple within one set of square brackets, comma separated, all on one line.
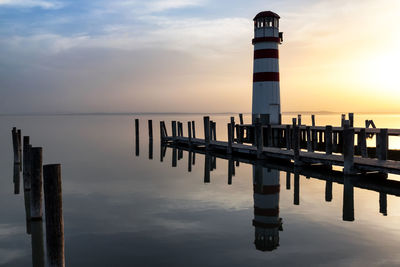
[(266, 221), (266, 90)]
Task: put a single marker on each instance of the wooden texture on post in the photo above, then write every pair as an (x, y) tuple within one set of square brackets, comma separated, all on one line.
[(19, 138), (362, 137), (238, 137), (36, 184), (193, 129), (233, 128), (54, 214), (351, 119), (214, 131), (296, 145), (299, 119), (382, 141), (189, 133), (150, 125), (343, 119), (348, 148), (15, 145), (173, 128), (162, 136), (328, 139), (309, 143), (259, 137), (206, 120), (241, 118), (287, 137), (229, 147), (26, 170), (313, 120), (314, 139), (16, 178)]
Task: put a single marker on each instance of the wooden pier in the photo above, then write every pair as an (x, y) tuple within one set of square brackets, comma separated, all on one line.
[(300, 144)]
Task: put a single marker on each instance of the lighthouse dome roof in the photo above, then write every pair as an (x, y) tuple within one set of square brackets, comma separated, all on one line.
[(264, 14)]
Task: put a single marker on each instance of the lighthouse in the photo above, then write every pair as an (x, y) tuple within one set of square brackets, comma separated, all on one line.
[(266, 221), (266, 90)]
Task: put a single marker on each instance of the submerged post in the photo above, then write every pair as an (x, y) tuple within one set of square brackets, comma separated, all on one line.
[(36, 184), (54, 214)]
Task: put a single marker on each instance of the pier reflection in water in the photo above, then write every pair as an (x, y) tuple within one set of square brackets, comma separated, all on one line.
[(266, 188)]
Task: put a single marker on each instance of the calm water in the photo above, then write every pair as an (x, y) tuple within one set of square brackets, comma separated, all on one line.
[(126, 210)]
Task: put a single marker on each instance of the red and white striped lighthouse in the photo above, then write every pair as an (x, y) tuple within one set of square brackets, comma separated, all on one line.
[(266, 221), (266, 90)]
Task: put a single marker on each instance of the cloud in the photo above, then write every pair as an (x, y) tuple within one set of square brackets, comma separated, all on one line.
[(32, 3)]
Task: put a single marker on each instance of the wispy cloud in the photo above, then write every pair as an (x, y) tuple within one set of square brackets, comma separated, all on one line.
[(32, 3)]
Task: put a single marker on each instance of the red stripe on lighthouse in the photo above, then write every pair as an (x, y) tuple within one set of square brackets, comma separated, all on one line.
[(266, 39), (266, 77), (266, 53)]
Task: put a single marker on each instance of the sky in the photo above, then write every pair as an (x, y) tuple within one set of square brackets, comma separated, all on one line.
[(194, 55)]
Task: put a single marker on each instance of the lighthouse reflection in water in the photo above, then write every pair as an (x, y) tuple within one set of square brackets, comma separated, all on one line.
[(267, 222)]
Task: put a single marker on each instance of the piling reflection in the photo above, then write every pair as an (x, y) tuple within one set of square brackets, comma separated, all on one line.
[(266, 188)]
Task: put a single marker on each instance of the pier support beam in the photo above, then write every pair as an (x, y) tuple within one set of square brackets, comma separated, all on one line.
[(348, 148)]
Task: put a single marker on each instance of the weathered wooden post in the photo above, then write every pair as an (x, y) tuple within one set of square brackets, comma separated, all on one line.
[(362, 143), (328, 139), (36, 184), (335, 141), (259, 137), (382, 141), (351, 119), (238, 137), (150, 125), (174, 157), (19, 148), (193, 130), (137, 129), (343, 119), (206, 120), (15, 145), (296, 143), (348, 199), (54, 214), (314, 139), (328, 191), (348, 148), (309, 143), (229, 147), (233, 128), (179, 128), (299, 119), (16, 178), (241, 118), (162, 137), (287, 180), (26, 171), (207, 168), (287, 137), (173, 127), (189, 133), (313, 120), (215, 131)]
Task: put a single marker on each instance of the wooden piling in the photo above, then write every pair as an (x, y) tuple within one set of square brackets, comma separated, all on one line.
[(150, 126), (206, 120), (173, 128), (207, 168), (150, 148), (382, 141), (351, 119), (229, 147), (241, 118), (287, 137), (19, 138), (193, 130), (348, 148), (36, 184), (162, 135), (189, 133), (296, 190), (215, 131), (190, 161), (16, 178), (313, 120), (314, 139), (335, 141), (231, 167), (179, 128), (296, 145), (383, 204), (343, 119), (37, 244), (363, 143), (328, 139), (26, 168), (15, 145), (137, 129), (174, 157), (238, 137), (259, 137), (299, 119), (54, 214), (309, 142)]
